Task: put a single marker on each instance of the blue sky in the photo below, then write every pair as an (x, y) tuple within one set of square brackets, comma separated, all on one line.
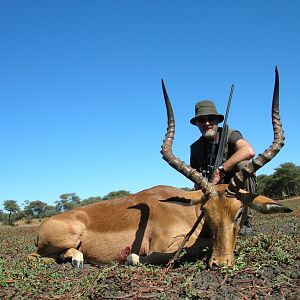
[(81, 103)]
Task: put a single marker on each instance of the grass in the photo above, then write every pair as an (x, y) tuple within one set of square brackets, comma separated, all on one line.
[(266, 266)]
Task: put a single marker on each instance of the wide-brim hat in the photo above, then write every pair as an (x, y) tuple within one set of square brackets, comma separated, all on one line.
[(206, 108)]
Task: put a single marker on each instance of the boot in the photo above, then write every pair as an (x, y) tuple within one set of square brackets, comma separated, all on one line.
[(247, 229)]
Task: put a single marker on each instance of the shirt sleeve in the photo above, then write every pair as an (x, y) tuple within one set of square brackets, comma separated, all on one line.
[(234, 137)]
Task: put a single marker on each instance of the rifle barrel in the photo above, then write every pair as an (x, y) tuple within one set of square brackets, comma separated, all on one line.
[(223, 138), (229, 102)]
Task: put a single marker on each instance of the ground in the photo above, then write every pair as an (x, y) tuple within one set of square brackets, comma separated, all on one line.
[(267, 266)]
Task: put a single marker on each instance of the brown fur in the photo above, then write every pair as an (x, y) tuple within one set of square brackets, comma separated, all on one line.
[(151, 223)]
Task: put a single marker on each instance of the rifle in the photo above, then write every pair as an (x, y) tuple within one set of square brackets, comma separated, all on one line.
[(223, 139)]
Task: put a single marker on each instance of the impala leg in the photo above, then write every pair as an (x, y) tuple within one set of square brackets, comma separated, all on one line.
[(155, 258), (75, 256), (37, 257), (33, 256)]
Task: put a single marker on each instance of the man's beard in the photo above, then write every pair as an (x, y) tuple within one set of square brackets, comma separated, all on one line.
[(210, 133)]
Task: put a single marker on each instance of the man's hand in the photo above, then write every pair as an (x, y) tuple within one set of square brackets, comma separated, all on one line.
[(217, 177)]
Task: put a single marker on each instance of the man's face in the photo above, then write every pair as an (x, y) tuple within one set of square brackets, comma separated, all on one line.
[(208, 126)]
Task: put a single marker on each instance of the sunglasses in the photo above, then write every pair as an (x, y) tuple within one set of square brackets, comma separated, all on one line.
[(205, 119)]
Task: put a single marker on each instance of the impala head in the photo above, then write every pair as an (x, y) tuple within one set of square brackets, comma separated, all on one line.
[(223, 204), (223, 214)]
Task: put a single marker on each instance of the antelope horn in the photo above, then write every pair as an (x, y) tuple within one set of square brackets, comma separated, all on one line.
[(176, 163), (278, 141)]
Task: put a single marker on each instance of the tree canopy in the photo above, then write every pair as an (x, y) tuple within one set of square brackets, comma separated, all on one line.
[(11, 206), (284, 182), (38, 209), (116, 194), (67, 202)]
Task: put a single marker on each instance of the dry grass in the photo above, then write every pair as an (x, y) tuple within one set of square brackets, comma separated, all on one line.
[(267, 267)]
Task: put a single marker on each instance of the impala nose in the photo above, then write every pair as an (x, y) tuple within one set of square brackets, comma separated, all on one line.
[(218, 262)]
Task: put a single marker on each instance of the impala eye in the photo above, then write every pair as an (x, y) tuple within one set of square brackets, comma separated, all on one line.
[(238, 215)]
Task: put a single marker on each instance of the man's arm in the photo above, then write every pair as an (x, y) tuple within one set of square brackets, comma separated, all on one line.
[(243, 151)]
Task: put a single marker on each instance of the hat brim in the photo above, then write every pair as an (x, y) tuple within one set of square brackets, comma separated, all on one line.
[(220, 119)]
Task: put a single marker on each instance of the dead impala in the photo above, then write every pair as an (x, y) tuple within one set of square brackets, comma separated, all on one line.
[(149, 226)]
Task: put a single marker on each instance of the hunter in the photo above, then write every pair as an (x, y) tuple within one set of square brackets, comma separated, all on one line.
[(237, 152)]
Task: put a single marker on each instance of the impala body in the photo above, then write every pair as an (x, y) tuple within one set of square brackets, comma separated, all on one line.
[(150, 225)]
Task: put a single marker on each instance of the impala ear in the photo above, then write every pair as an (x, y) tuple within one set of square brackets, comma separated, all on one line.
[(262, 204)]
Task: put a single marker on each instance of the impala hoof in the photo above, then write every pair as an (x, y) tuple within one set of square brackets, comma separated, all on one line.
[(133, 259), (214, 267), (77, 264)]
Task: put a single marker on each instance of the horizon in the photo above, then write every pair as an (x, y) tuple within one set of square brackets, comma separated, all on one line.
[(82, 106)]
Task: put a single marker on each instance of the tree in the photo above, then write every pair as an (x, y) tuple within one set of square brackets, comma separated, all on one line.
[(38, 209), (1, 215), (90, 200), (287, 176), (11, 206), (285, 181), (263, 182), (67, 202), (116, 194)]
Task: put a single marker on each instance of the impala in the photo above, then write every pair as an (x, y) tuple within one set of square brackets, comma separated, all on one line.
[(149, 226)]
